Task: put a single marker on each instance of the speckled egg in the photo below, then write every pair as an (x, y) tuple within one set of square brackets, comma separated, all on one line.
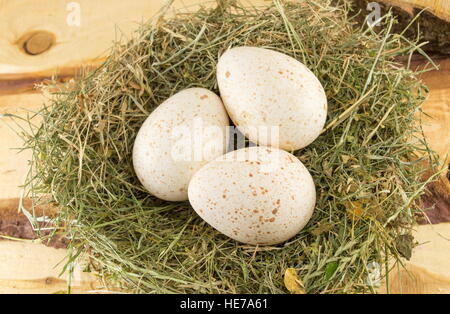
[(178, 138), (262, 87), (256, 195)]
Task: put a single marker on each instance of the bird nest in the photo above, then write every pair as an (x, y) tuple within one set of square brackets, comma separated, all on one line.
[(366, 166)]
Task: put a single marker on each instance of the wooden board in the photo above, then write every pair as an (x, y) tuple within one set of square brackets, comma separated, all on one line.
[(13, 163), (433, 22), (440, 8), (82, 31), (27, 267), (427, 271), (436, 120), (59, 36), (87, 44)]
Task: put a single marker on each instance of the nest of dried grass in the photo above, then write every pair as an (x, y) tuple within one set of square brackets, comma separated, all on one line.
[(365, 166)]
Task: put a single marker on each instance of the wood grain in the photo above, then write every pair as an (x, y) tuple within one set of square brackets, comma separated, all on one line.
[(30, 267), (20, 83), (440, 8), (436, 117), (13, 162), (47, 37), (429, 19), (427, 271), (77, 40), (27, 267)]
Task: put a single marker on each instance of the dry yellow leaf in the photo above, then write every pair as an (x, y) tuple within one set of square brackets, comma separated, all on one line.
[(356, 209), (363, 208), (345, 158), (292, 282)]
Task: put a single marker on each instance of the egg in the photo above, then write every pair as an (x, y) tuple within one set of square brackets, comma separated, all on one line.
[(256, 195), (273, 99), (178, 138)]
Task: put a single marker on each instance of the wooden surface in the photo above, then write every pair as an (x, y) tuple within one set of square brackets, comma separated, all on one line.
[(440, 8), (428, 270), (100, 22), (436, 121), (429, 19), (29, 54), (27, 267)]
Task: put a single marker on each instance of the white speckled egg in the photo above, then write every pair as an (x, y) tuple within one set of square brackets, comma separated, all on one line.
[(178, 138), (262, 87), (256, 195)]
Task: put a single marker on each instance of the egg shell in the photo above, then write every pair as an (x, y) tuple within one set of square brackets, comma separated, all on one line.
[(167, 151), (262, 87), (256, 195)]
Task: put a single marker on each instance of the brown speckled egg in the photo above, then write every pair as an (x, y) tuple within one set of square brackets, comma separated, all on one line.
[(178, 138), (256, 195), (262, 87)]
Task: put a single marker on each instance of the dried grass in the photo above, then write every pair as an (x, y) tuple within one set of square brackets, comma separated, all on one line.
[(366, 165)]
